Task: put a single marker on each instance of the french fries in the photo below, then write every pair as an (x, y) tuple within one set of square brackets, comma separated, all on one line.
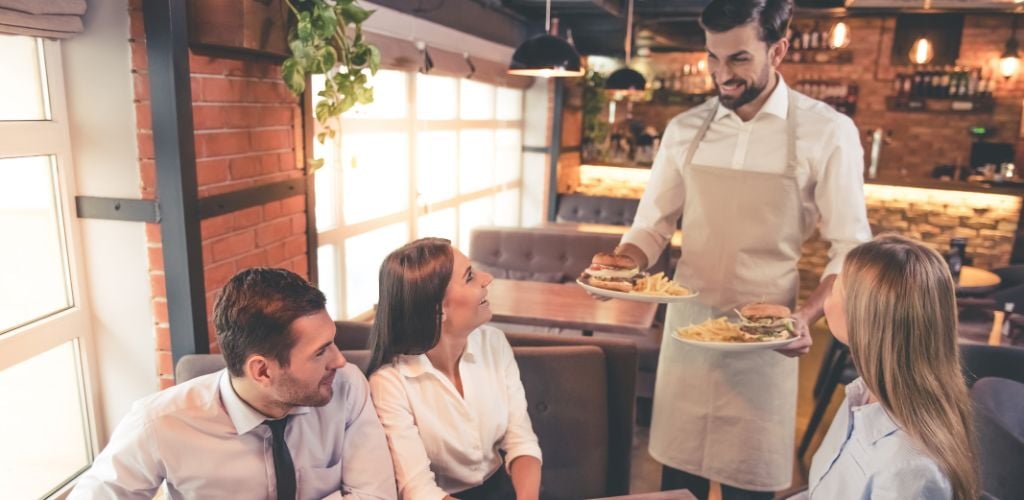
[(658, 284), (714, 330), (720, 330)]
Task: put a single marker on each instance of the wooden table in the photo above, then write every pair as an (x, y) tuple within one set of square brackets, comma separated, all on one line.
[(975, 280), (567, 306), (660, 495)]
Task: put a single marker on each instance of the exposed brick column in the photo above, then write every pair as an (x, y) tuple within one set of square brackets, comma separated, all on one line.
[(248, 132)]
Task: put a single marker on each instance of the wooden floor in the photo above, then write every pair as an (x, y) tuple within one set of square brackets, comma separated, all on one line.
[(646, 472)]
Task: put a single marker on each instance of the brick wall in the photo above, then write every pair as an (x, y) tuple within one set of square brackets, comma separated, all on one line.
[(248, 132), (932, 216), (920, 141)]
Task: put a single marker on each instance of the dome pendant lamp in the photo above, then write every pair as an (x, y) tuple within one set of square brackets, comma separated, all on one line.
[(625, 81), (546, 55)]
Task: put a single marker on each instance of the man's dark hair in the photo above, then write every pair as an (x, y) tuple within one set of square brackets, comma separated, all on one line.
[(254, 313), (771, 16), (413, 282)]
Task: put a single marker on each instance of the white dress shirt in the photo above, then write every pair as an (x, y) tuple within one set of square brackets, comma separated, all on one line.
[(441, 442), (205, 442), (830, 174), (866, 455)]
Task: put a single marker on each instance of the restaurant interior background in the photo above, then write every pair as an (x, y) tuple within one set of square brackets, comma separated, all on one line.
[(450, 143)]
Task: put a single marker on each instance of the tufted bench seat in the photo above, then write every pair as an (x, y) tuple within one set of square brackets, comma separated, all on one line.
[(596, 209), (557, 255), (536, 254)]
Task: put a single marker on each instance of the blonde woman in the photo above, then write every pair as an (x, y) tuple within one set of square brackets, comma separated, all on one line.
[(904, 430)]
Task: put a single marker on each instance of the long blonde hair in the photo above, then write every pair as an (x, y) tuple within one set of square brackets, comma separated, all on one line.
[(900, 307)]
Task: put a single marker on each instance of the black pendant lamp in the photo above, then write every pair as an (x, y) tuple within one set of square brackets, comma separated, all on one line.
[(626, 81), (546, 55)]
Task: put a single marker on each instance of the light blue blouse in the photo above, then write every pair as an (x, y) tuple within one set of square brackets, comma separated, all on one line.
[(865, 455)]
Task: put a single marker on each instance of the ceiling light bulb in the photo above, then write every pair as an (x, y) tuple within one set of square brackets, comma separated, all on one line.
[(1008, 66), (922, 51), (840, 37)]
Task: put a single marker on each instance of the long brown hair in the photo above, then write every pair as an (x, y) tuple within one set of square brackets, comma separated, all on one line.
[(900, 307), (413, 281)]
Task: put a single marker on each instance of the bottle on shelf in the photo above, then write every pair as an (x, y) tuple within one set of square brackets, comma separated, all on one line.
[(955, 257)]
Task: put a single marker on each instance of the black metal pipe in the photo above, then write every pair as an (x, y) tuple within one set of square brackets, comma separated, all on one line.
[(166, 25)]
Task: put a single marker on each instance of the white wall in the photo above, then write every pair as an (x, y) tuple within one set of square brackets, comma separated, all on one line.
[(98, 83)]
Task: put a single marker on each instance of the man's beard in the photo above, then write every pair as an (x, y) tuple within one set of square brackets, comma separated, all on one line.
[(750, 91), (293, 393)]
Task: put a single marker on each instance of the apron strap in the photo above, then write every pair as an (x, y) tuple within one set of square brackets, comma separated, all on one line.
[(699, 136), (792, 165)]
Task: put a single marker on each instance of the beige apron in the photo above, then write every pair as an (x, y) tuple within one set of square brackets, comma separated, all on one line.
[(730, 417)]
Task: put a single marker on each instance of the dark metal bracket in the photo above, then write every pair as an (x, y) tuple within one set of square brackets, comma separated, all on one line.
[(121, 209), (234, 201)]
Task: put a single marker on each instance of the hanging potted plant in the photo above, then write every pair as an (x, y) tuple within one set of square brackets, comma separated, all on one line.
[(595, 124), (327, 38)]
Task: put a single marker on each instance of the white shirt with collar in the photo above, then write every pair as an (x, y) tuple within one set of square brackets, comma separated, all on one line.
[(830, 174), (205, 442), (865, 455), (443, 443)]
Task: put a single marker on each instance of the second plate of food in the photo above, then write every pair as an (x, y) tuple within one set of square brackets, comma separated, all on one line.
[(654, 288), (723, 335)]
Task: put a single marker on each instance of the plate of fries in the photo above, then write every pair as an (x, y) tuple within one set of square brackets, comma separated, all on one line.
[(647, 288), (724, 335)]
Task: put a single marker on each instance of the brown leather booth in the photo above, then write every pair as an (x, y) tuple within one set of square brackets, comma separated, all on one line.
[(579, 392)]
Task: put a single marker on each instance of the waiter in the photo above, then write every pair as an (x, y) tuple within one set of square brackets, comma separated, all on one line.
[(752, 173)]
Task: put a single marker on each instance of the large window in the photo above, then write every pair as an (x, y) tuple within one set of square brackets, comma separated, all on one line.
[(431, 156), (46, 426)]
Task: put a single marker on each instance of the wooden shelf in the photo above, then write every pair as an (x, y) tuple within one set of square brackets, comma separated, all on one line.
[(613, 163), (819, 56), (673, 98), (939, 105)]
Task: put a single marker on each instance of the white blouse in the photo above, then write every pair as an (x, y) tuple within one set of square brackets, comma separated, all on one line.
[(865, 454), (441, 442)]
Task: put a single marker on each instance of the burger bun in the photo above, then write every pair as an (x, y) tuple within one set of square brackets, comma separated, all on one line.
[(763, 310), (613, 260)]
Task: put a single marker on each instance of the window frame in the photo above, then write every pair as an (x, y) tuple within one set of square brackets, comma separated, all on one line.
[(409, 125), (51, 137)]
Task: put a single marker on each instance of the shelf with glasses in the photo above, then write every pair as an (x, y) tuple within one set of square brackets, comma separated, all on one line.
[(676, 98), (840, 94), (819, 56), (956, 105)]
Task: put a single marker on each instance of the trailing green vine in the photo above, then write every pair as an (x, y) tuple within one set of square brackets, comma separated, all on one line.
[(327, 39), (595, 129)]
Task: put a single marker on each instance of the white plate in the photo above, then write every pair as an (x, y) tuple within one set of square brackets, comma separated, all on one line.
[(736, 346), (637, 297)]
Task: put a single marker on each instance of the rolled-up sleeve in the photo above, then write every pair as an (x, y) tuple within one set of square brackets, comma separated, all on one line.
[(839, 194), (662, 201), (519, 439), (412, 465)]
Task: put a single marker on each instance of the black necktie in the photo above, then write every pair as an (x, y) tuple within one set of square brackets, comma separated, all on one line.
[(284, 469)]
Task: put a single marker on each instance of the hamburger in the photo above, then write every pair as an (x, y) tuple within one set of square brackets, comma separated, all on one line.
[(766, 321), (611, 272)]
